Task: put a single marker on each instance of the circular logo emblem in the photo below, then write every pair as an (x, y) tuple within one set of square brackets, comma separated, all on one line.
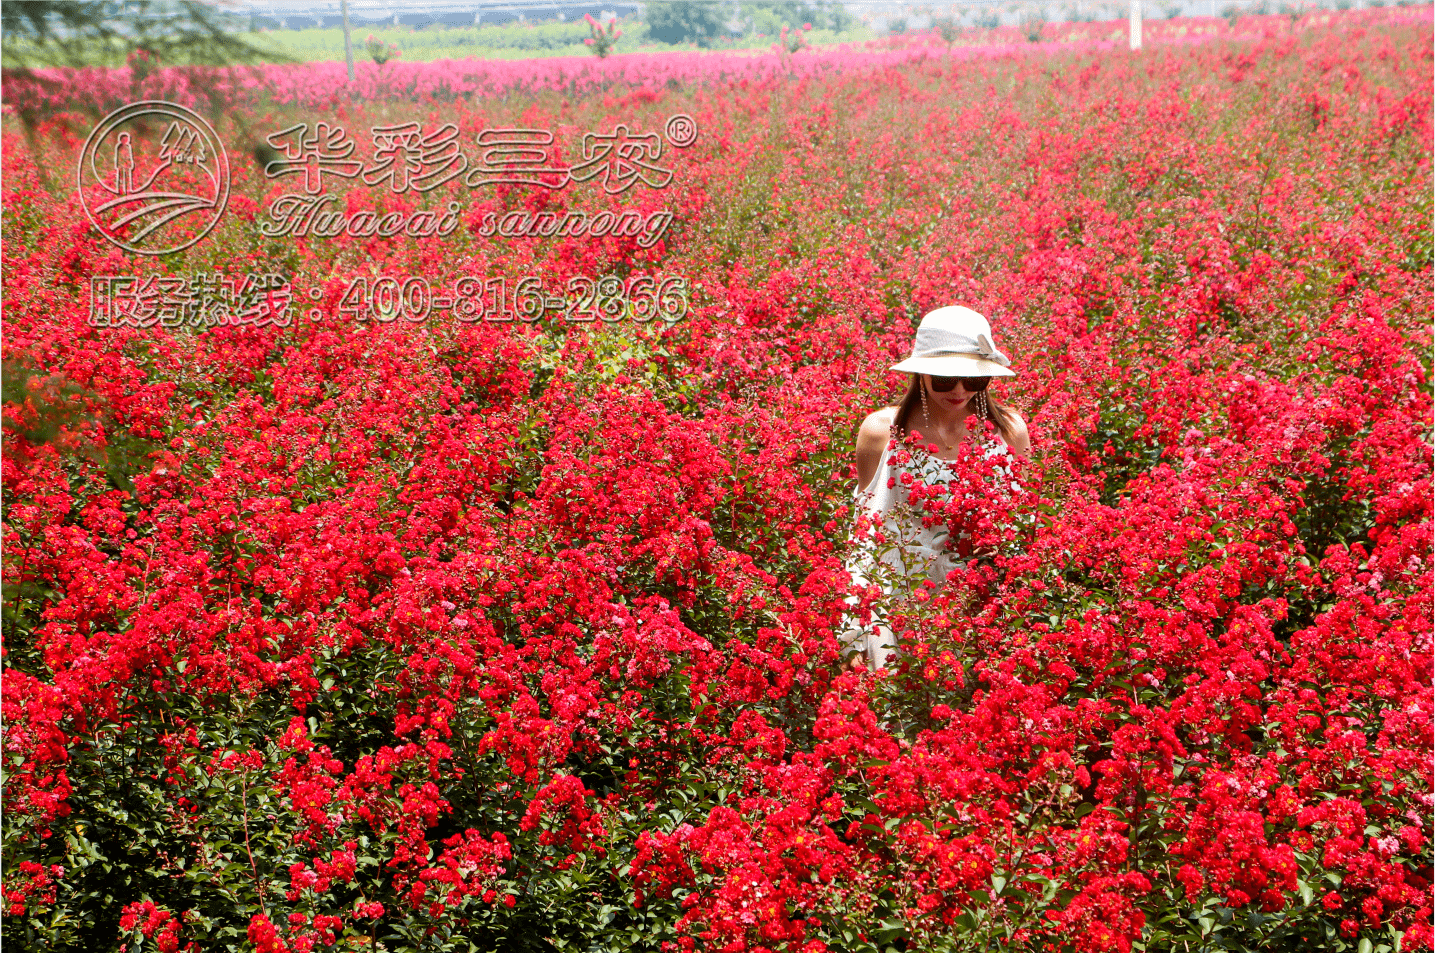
[(681, 130), (153, 178)]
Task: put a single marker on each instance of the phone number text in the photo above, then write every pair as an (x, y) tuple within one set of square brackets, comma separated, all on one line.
[(641, 298)]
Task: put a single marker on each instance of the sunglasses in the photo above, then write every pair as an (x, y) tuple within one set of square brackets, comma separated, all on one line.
[(974, 384)]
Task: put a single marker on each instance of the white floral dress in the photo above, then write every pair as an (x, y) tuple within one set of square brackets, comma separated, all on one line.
[(908, 553)]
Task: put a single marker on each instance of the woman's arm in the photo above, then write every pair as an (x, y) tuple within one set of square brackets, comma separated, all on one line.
[(872, 438)]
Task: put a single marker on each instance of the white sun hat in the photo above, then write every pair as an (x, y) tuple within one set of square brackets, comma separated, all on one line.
[(955, 342)]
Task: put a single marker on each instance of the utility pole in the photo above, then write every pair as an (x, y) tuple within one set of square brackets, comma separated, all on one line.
[(1136, 24), (348, 42)]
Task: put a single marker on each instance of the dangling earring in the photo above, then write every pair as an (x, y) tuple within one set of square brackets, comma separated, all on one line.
[(982, 408), (926, 417)]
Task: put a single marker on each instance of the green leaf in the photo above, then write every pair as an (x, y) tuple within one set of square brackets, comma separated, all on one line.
[(888, 930)]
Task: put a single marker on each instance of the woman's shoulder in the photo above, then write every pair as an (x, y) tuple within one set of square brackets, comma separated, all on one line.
[(876, 427), (879, 419), (1020, 438)]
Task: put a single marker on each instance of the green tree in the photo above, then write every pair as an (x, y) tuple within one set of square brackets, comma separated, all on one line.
[(772, 15), (143, 34), (75, 33), (687, 21), (947, 28)]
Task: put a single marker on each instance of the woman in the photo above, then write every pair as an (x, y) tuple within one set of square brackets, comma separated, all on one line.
[(953, 361)]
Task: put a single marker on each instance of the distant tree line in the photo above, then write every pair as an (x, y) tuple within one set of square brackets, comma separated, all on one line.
[(704, 21)]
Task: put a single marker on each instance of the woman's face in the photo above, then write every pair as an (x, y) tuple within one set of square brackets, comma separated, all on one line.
[(954, 399)]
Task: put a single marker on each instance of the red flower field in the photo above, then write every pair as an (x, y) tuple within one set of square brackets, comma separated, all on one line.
[(338, 620)]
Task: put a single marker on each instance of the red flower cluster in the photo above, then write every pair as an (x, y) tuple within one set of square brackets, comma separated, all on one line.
[(153, 923)]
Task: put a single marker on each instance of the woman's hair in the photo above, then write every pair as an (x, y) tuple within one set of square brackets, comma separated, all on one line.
[(1001, 417)]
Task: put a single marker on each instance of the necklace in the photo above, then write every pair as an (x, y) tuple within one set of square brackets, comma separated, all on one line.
[(927, 418), (945, 447)]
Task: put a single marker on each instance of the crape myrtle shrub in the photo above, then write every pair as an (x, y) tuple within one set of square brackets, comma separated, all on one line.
[(324, 84), (506, 637)]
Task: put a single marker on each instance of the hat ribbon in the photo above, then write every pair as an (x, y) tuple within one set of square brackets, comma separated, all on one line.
[(984, 349)]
